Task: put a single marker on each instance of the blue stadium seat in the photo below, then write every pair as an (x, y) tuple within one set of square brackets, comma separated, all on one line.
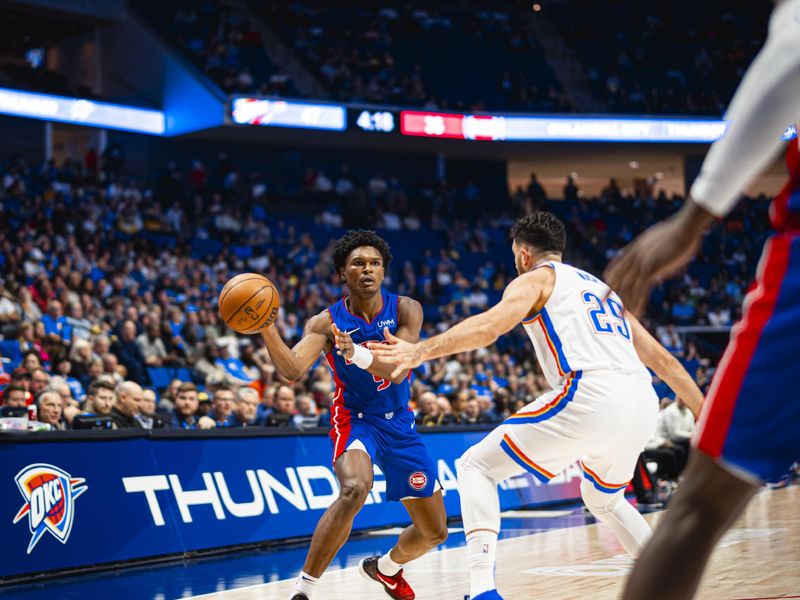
[(9, 349), (181, 373), (159, 377)]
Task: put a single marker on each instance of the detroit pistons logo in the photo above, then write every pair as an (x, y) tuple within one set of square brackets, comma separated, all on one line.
[(417, 480), (49, 494)]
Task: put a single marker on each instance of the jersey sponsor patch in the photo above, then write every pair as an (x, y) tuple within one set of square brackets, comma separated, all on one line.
[(417, 480)]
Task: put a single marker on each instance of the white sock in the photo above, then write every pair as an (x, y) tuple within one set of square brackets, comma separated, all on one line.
[(482, 548), (387, 566), (305, 584), (479, 470), (623, 519)]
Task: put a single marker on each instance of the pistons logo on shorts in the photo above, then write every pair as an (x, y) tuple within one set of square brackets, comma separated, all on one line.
[(417, 480)]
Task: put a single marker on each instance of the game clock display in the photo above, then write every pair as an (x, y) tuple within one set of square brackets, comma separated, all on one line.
[(379, 121)]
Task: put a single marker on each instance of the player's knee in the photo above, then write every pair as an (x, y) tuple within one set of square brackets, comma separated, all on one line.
[(436, 535), (353, 493), (599, 502)]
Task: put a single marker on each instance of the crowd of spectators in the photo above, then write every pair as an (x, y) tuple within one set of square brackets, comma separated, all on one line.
[(675, 58), (421, 55), (225, 43), (472, 56), (108, 287)]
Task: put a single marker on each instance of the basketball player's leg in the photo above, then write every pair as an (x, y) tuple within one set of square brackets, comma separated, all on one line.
[(608, 505), (428, 528), (480, 469), (354, 471), (708, 501), (411, 477)]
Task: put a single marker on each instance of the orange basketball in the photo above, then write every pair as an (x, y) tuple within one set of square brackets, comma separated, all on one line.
[(248, 303)]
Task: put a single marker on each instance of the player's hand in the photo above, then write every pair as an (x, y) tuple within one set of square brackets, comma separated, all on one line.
[(343, 342), (656, 254), (397, 352)]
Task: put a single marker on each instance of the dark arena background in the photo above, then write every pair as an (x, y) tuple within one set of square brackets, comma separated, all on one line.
[(151, 151)]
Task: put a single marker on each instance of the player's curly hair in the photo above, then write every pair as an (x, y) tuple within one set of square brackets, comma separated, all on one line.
[(542, 230), (355, 238)]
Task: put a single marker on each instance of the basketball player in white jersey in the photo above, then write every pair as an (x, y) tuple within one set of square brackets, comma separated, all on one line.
[(748, 432), (602, 408)]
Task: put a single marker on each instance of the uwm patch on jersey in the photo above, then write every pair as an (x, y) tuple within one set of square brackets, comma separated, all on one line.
[(49, 494)]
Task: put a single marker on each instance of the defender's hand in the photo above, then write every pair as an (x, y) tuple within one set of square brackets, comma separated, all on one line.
[(397, 352), (343, 342)]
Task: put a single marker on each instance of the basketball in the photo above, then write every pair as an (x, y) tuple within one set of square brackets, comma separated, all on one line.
[(248, 303)]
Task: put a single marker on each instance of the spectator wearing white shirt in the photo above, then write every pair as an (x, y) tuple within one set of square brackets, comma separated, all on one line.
[(676, 422)]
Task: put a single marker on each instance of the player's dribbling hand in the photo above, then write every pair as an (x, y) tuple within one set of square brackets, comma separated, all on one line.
[(343, 342), (397, 352)]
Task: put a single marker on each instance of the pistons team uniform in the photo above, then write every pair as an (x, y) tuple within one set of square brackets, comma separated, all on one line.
[(602, 408), (372, 414), (751, 418)]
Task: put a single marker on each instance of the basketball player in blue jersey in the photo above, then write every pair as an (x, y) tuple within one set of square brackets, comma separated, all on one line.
[(748, 432), (370, 418), (601, 410)]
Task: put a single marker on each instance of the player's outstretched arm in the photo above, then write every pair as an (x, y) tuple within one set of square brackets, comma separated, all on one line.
[(522, 297), (292, 363), (667, 367)]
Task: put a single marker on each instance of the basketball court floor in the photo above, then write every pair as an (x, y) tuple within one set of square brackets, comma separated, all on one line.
[(550, 554)]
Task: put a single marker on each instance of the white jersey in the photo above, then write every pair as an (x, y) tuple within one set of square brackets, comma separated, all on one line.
[(579, 330)]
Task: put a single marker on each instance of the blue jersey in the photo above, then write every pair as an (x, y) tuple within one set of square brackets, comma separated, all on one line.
[(358, 390)]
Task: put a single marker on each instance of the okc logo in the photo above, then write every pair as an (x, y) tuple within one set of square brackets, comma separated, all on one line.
[(49, 495)]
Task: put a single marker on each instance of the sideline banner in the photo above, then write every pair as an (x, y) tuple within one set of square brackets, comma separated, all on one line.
[(73, 503)]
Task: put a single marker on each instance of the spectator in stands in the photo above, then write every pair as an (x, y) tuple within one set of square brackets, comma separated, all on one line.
[(128, 353), (39, 380), (111, 367), (186, 405), (306, 416), (50, 410), (55, 322), (244, 412), (669, 457), (15, 395), (267, 402), (101, 398), (281, 414), (536, 192), (471, 413), (78, 325), (31, 361), (129, 396), (10, 309), (64, 370), (676, 422), (148, 417), (428, 411), (152, 346), (222, 405), (233, 367)]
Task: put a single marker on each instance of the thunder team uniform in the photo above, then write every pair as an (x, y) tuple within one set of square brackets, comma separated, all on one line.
[(372, 414), (751, 417), (602, 408)]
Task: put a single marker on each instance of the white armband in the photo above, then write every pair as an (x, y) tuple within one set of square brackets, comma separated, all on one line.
[(362, 357)]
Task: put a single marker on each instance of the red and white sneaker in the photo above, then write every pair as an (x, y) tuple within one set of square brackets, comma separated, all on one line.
[(394, 585)]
